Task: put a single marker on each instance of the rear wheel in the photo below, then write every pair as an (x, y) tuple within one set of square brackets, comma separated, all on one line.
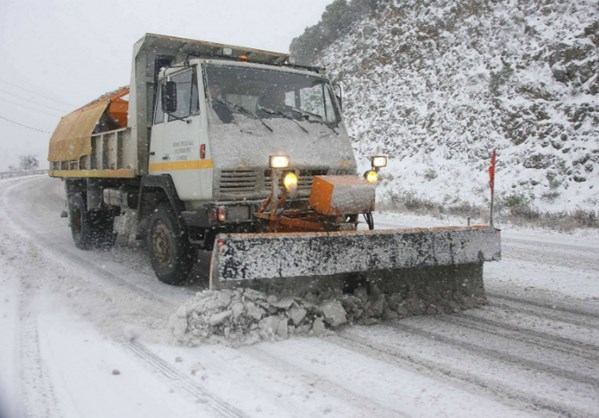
[(170, 253), (90, 229)]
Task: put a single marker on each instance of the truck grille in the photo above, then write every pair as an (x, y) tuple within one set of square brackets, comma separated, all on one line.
[(304, 179), (237, 181)]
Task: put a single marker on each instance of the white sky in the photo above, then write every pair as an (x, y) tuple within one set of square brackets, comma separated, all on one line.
[(57, 55)]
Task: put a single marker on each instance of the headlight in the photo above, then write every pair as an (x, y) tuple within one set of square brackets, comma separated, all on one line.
[(379, 161), (290, 182), (278, 161), (371, 176)]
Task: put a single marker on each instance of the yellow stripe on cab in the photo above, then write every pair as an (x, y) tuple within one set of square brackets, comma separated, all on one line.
[(181, 165)]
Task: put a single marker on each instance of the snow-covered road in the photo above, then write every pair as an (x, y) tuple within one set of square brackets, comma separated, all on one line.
[(84, 335)]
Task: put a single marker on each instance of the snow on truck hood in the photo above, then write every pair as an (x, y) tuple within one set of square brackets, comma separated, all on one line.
[(246, 142)]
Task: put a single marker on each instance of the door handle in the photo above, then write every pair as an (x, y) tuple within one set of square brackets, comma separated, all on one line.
[(152, 153), (166, 157)]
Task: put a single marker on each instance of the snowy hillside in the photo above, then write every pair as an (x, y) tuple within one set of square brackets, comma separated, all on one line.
[(438, 84)]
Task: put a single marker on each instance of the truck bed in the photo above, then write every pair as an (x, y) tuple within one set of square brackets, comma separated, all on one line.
[(110, 156), (76, 151)]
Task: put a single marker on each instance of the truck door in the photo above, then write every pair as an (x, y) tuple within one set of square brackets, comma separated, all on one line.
[(157, 136), (176, 142)]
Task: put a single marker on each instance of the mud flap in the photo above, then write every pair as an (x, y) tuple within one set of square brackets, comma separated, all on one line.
[(241, 259)]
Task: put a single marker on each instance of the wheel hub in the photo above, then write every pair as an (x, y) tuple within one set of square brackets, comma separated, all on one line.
[(162, 244)]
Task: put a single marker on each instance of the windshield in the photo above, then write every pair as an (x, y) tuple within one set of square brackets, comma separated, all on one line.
[(267, 93)]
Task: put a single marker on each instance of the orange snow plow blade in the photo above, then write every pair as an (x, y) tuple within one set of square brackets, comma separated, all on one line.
[(442, 263)]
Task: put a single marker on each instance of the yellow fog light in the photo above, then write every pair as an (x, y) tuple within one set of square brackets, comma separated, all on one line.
[(371, 176), (290, 182)]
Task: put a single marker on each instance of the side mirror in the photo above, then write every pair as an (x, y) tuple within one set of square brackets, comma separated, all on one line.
[(169, 97), (338, 94)]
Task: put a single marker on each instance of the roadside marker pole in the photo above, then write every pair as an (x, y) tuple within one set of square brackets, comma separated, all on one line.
[(492, 183)]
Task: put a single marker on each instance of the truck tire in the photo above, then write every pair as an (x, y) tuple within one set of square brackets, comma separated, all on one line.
[(170, 253), (90, 229)]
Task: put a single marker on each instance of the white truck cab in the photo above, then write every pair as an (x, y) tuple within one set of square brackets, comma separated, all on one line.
[(226, 117)]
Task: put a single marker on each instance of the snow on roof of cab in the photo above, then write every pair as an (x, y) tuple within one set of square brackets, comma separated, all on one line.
[(194, 47)]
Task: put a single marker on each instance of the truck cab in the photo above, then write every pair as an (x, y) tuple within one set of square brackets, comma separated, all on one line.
[(217, 121)]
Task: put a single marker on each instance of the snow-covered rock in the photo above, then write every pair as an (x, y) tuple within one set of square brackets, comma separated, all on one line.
[(333, 312), (249, 316)]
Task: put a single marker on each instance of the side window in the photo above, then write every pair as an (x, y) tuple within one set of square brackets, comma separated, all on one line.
[(195, 95), (158, 113), (187, 94), (329, 109)]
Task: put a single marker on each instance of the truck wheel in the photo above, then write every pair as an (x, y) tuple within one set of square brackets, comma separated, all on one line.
[(90, 229), (170, 253)]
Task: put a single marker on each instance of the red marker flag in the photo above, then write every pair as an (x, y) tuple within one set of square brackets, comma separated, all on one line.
[(492, 172)]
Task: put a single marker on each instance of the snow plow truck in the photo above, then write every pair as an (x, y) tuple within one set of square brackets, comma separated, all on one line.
[(242, 154)]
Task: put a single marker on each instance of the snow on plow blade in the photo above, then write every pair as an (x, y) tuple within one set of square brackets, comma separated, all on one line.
[(446, 259)]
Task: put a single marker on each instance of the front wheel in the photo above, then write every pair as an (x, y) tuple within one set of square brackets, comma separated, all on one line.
[(170, 252)]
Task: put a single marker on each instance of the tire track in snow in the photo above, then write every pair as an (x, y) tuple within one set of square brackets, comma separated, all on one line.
[(497, 354), (574, 258), (525, 335), (553, 307), (357, 401), (37, 389), (542, 310), (554, 246), (36, 393), (182, 382), (397, 357)]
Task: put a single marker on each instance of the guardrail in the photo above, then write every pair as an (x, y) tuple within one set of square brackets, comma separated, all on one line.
[(21, 173)]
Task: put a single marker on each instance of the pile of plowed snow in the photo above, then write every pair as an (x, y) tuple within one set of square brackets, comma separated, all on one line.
[(246, 316)]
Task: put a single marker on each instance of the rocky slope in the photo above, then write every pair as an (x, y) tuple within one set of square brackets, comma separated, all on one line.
[(438, 85)]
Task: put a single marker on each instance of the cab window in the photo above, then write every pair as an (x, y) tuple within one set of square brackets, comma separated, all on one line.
[(158, 113), (187, 95)]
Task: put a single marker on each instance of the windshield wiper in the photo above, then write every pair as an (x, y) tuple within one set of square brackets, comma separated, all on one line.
[(285, 115), (314, 118), (243, 110)]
